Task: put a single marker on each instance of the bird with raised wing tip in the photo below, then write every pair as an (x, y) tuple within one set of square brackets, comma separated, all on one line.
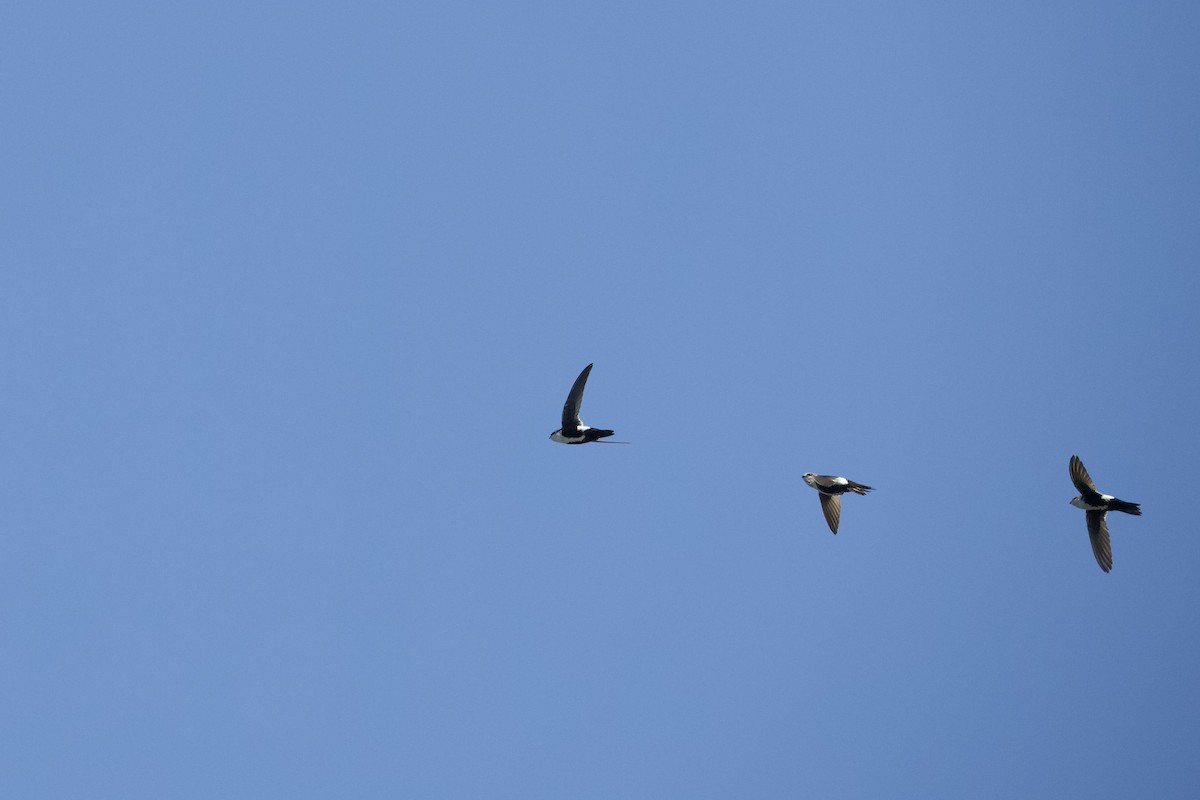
[(573, 431), (1097, 505), (831, 488)]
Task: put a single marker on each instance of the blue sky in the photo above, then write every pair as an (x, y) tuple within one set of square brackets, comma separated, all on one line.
[(293, 296)]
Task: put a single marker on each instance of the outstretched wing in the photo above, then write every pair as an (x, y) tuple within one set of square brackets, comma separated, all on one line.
[(570, 418), (1083, 482), (831, 504), (1101, 546)]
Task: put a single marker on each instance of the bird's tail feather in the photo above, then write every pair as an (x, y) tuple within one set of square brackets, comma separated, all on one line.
[(857, 488), (1128, 508)]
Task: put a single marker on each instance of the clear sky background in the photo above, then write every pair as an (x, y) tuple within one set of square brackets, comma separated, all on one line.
[(292, 295)]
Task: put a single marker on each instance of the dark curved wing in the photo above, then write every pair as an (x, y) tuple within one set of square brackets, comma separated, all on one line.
[(1080, 477), (831, 504), (1101, 546), (1083, 482), (570, 418)]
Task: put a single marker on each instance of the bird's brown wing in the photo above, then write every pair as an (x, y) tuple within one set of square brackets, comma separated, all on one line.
[(1098, 532), (831, 504), (1080, 477), (570, 417)]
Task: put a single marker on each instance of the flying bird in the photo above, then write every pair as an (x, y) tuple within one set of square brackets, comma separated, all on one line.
[(1097, 505), (573, 431), (832, 488)]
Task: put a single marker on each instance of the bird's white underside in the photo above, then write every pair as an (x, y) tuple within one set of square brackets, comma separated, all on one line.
[(1079, 502), (557, 436), (811, 479)]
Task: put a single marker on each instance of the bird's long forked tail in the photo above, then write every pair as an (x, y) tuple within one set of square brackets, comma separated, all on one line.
[(858, 488), (1127, 507)]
